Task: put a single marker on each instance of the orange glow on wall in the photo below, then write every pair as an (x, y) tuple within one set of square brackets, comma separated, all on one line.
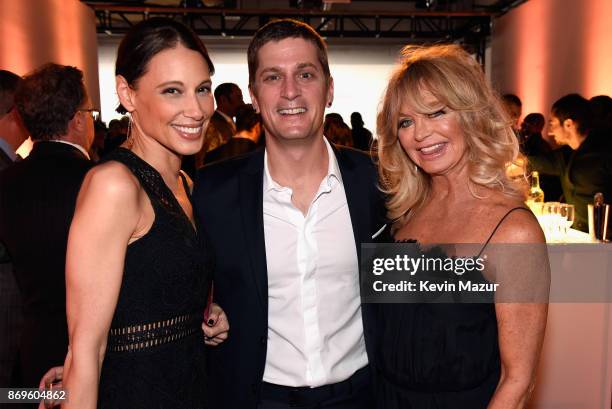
[(598, 47), (34, 32), (545, 49)]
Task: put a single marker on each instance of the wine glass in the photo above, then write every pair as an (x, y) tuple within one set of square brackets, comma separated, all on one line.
[(551, 220), (568, 212)]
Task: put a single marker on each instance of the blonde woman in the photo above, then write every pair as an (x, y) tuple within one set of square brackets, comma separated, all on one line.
[(444, 145)]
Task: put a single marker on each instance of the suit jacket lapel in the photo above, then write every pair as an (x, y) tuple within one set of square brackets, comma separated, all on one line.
[(251, 199), (357, 196)]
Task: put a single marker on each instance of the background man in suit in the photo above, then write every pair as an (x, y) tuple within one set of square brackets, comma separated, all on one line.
[(12, 135), (248, 132), (12, 131), (221, 127), (36, 208), (362, 137), (286, 225)]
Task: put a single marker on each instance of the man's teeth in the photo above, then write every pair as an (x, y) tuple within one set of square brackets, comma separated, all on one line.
[(292, 111), (432, 148), (188, 129)]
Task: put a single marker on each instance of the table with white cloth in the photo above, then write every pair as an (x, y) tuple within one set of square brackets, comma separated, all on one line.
[(575, 369)]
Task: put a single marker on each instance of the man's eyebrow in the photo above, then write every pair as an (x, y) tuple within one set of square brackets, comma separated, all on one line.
[(270, 69), (307, 65), (298, 66)]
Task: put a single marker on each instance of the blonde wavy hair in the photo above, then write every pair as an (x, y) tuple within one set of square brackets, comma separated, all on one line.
[(457, 81)]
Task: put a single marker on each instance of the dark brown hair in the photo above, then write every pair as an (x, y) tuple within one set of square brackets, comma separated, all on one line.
[(574, 107), (48, 98), (8, 85), (148, 38), (279, 30)]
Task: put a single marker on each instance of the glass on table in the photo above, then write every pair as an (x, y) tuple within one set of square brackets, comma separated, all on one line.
[(551, 220), (568, 213)]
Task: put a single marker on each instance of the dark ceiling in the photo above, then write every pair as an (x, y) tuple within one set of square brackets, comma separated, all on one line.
[(464, 21), (491, 6)]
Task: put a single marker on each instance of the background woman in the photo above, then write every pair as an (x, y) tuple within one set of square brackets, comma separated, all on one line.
[(444, 144), (137, 280)]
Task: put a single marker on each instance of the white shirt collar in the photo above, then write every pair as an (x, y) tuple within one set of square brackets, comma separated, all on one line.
[(79, 147), (333, 171)]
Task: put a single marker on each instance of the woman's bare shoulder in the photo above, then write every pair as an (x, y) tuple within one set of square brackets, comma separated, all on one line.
[(112, 180), (519, 225)]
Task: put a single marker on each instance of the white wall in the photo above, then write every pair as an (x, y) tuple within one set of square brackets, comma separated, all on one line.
[(360, 74)]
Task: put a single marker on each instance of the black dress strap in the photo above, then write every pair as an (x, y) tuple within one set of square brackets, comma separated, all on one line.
[(499, 224)]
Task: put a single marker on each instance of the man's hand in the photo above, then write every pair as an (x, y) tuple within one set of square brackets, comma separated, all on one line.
[(216, 326), (52, 379)]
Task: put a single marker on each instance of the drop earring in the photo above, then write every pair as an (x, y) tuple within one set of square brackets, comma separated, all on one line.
[(129, 138)]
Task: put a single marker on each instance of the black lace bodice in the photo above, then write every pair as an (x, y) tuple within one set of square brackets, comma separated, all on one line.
[(154, 354)]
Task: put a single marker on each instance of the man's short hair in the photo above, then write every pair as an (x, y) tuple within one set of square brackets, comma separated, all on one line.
[(246, 118), (8, 85), (356, 120), (512, 99), (225, 90), (278, 30), (535, 118), (574, 107), (601, 112), (48, 98)]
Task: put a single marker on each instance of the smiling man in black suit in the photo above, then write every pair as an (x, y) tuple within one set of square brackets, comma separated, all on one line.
[(286, 224), (36, 206)]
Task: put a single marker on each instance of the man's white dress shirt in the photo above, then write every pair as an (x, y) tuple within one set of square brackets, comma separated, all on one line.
[(315, 330)]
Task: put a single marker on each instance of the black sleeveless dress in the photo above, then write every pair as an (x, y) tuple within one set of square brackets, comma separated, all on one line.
[(155, 350), (437, 356)]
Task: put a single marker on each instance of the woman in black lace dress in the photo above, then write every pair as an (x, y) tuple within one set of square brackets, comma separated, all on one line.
[(444, 144), (137, 273)]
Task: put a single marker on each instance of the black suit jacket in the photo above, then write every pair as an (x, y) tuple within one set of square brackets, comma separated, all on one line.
[(37, 200), (219, 124), (228, 199), (5, 161), (234, 147)]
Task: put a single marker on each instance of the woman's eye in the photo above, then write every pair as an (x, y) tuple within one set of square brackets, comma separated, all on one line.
[(405, 123), (204, 90), (171, 91), (437, 113)]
